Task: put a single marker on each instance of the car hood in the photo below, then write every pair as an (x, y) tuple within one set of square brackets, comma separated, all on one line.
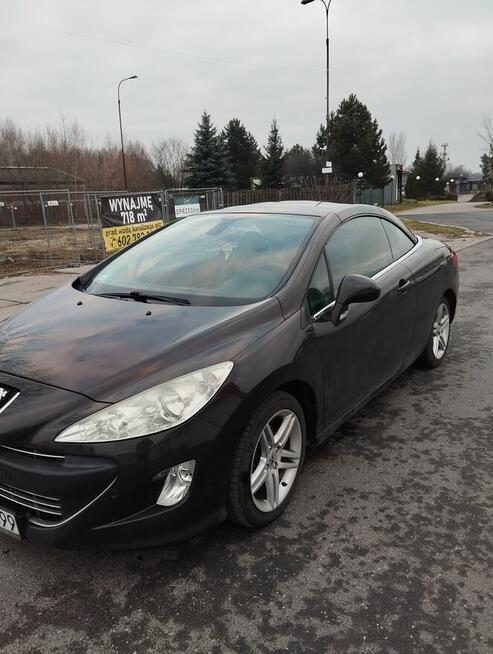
[(109, 349)]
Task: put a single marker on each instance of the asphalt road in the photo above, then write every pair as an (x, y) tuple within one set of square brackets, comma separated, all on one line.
[(479, 220), (386, 549)]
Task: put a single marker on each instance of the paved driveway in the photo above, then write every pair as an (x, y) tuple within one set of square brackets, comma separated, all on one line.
[(460, 214), (386, 548)]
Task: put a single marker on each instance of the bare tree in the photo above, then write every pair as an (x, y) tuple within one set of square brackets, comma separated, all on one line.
[(396, 148), (168, 157), (486, 132), (12, 144), (64, 146)]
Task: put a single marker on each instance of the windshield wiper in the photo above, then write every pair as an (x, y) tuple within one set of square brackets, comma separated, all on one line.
[(141, 296)]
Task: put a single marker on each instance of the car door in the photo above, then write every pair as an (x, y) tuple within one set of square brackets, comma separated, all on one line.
[(370, 345)]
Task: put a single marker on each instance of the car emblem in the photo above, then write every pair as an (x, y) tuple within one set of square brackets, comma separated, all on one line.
[(7, 396)]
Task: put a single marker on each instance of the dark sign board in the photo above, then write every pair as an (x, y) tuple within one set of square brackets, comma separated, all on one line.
[(127, 218)]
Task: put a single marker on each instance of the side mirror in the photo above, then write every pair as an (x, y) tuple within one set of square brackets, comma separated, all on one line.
[(354, 289)]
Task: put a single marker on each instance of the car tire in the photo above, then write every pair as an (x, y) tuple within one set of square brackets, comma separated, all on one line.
[(263, 451), (438, 342)]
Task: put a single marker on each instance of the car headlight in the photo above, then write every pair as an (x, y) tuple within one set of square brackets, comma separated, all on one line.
[(160, 408)]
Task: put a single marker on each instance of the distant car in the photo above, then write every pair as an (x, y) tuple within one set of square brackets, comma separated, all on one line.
[(179, 382)]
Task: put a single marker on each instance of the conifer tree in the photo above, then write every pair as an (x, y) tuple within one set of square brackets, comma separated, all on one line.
[(208, 164), (319, 150), (272, 165), (412, 182), (243, 152), (429, 169), (487, 167), (356, 144), (301, 166)]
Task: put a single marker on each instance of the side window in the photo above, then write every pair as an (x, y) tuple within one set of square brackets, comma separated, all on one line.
[(399, 241), (358, 247), (319, 294)]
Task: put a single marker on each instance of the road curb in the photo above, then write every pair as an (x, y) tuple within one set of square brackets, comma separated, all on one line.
[(471, 245), (466, 229)]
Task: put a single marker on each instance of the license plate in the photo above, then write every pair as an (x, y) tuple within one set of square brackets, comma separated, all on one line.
[(8, 524), (7, 396)]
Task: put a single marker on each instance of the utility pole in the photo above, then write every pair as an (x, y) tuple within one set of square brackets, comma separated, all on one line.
[(445, 158)]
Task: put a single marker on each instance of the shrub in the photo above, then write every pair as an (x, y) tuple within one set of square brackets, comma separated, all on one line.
[(444, 196)]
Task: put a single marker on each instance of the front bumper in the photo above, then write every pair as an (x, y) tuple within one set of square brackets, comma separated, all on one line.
[(108, 499)]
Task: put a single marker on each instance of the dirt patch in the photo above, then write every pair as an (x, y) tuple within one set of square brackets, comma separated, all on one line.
[(456, 244), (34, 249), (457, 238)]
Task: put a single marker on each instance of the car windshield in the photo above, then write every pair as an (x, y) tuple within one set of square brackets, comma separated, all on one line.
[(211, 259)]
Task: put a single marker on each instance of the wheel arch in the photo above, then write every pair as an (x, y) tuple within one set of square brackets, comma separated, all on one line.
[(290, 380), (452, 300), (305, 395)]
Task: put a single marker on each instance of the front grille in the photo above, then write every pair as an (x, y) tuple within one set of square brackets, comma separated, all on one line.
[(33, 454), (42, 506)]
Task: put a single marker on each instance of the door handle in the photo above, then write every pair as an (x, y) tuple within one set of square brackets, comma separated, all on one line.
[(404, 286)]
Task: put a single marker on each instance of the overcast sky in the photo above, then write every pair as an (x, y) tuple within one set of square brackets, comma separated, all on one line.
[(423, 67)]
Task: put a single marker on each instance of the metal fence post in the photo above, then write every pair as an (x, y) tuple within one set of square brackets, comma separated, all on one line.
[(98, 214), (164, 209), (88, 213), (41, 199), (72, 223)]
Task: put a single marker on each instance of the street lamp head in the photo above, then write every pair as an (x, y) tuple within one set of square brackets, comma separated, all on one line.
[(437, 179), (306, 2), (361, 175), (452, 181), (125, 79)]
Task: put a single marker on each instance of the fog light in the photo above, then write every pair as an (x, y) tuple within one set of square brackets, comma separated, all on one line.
[(177, 484)]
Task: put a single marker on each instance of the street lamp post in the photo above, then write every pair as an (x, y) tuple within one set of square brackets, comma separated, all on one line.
[(121, 130), (326, 4), (359, 182), (13, 209)]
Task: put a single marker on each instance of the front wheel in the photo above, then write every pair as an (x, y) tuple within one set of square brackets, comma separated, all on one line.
[(437, 345), (267, 462)]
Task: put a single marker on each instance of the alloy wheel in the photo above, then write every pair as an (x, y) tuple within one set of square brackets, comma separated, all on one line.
[(276, 460), (441, 331)]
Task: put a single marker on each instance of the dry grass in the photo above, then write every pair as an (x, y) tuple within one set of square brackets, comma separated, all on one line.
[(433, 228), (26, 249), (407, 204)]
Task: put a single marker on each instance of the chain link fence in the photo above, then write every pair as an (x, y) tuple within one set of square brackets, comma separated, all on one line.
[(42, 230), (57, 229)]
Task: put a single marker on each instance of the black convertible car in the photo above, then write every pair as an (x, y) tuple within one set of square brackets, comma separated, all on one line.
[(179, 382)]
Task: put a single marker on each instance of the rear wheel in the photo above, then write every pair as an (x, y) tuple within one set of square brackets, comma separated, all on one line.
[(437, 345), (267, 462)]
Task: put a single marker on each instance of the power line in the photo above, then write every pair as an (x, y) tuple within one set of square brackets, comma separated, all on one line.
[(138, 46)]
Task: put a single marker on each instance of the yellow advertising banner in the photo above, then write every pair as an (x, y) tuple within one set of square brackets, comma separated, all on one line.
[(118, 237)]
